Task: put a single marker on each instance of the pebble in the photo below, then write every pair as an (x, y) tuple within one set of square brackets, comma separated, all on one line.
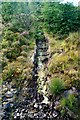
[(18, 115), (55, 114), (36, 105), (15, 117), (40, 106), (56, 104), (8, 94), (5, 89)]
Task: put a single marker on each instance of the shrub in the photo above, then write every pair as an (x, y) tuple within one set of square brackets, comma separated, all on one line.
[(39, 35), (69, 102), (57, 85)]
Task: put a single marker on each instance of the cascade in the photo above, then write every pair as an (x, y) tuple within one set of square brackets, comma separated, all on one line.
[(42, 55)]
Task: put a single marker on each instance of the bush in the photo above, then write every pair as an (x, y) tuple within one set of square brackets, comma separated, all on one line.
[(57, 85), (69, 102), (39, 35)]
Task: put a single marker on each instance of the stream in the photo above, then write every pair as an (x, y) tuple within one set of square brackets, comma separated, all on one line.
[(37, 104)]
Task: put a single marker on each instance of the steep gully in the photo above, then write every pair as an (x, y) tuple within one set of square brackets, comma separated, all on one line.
[(37, 105)]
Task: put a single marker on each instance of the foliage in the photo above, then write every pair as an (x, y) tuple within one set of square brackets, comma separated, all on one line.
[(15, 57), (69, 102), (7, 11), (60, 19), (12, 44), (57, 85), (39, 35), (55, 17), (16, 15), (17, 72), (64, 60)]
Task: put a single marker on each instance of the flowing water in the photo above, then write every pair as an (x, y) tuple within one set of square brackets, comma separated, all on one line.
[(37, 91), (37, 104)]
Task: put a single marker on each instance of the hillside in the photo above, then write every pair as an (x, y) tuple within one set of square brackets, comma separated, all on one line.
[(39, 49)]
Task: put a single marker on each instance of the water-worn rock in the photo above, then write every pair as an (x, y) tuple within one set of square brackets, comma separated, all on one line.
[(35, 105), (55, 114), (8, 94), (56, 105), (70, 91)]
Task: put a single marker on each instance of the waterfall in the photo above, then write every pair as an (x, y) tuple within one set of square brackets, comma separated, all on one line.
[(41, 55), (37, 94)]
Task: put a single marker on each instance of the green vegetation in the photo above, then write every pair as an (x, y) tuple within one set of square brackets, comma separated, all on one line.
[(64, 60), (23, 24), (57, 18), (0, 82), (56, 86), (29, 21), (17, 43), (69, 102), (60, 19), (15, 62)]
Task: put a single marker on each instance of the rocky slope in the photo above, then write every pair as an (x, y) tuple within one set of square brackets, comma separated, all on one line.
[(29, 96)]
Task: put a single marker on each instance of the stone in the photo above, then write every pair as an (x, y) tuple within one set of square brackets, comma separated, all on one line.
[(34, 100), (74, 91), (46, 101), (9, 86), (15, 117), (5, 89), (4, 104), (30, 115), (8, 107), (56, 105), (40, 106), (35, 105), (8, 94), (55, 114), (21, 114), (65, 93), (22, 117), (17, 114), (41, 115), (4, 100), (35, 114), (70, 91), (10, 100), (4, 86), (12, 105)]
